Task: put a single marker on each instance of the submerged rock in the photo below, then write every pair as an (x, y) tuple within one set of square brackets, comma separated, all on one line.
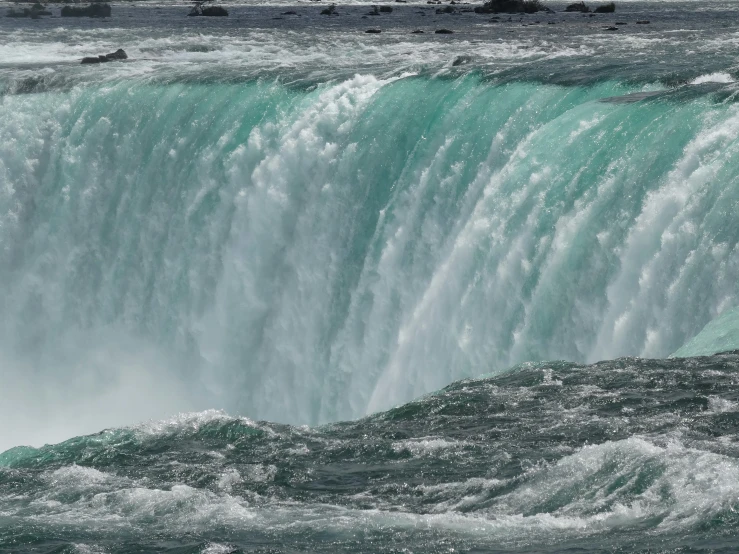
[(461, 60), (373, 31), (34, 12), (119, 54), (211, 11), (216, 11), (511, 6), (443, 32), (578, 7), (93, 10)]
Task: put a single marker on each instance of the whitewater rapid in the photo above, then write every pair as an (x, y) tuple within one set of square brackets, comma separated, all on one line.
[(627, 455)]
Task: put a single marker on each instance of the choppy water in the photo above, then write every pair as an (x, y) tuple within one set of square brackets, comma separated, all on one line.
[(285, 218), (623, 456)]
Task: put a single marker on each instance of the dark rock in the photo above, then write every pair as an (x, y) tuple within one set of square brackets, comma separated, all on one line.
[(93, 10), (373, 31), (330, 10), (461, 60), (386, 9), (417, 32), (642, 22), (34, 12), (119, 54), (290, 13), (211, 11), (446, 9), (611, 28), (215, 11), (578, 7), (606, 8), (511, 6), (443, 32)]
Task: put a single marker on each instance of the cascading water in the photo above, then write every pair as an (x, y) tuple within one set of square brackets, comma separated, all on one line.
[(307, 254), (277, 216)]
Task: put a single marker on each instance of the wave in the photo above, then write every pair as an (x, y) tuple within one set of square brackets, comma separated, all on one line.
[(629, 454)]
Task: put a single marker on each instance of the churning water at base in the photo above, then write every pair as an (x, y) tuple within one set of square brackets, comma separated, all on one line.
[(623, 456)]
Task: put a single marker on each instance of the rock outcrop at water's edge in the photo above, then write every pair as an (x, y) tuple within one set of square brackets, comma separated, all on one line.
[(119, 54), (34, 12), (511, 6), (578, 7), (93, 10), (212, 11)]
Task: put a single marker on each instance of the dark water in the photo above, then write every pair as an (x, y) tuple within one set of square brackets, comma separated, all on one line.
[(295, 43), (629, 455)]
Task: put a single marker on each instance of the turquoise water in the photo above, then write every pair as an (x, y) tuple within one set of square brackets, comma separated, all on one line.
[(312, 255), (305, 240), (720, 335)]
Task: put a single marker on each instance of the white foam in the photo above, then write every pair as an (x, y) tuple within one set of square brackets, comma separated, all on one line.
[(89, 549), (216, 548), (719, 77), (430, 446), (587, 492), (720, 405)]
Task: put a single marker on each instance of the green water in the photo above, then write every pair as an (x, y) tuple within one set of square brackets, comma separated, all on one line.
[(314, 254)]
